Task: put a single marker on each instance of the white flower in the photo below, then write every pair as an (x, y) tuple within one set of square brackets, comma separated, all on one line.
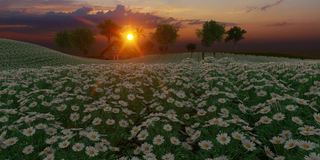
[(307, 145), (75, 108), (123, 123), (279, 158), (316, 117), (29, 131), (91, 151), (78, 147), (167, 127), (158, 140), (28, 149), (206, 145), (64, 144), (96, 121), (93, 136), (168, 156), (248, 145), (312, 156), (143, 135), (297, 120), (4, 119), (175, 140), (223, 138), (10, 141), (110, 122), (237, 135), (291, 108), (146, 148), (277, 140), (290, 144), (221, 158), (74, 117), (279, 116)]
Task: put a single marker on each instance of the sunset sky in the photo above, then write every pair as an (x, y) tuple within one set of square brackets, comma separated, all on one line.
[(272, 25)]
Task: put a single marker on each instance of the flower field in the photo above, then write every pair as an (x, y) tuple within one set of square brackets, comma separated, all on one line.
[(217, 109)]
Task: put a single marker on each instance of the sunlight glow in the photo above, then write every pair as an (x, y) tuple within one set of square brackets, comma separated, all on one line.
[(130, 37)]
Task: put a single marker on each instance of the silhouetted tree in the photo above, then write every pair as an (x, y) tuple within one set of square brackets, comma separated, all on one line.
[(210, 33), (82, 39), (235, 34), (165, 35), (110, 30), (62, 39), (191, 47)]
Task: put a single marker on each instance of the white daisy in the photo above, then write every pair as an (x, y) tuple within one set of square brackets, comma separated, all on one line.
[(223, 138), (206, 145)]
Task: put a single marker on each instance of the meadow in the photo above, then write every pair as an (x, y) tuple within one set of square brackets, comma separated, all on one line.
[(227, 107)]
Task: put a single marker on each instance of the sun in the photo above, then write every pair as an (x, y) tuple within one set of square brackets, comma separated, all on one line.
[(130, 37)]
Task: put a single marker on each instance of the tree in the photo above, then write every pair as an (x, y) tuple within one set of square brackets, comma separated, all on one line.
[(235, 34), (210, 33), (110, 30), (82, 39), (191, 47), (62, 39), (165, 35)]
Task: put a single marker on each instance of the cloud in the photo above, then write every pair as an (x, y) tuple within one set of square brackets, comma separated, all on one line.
[(265, 7), (39, 6), (280, 24), (83, 17)]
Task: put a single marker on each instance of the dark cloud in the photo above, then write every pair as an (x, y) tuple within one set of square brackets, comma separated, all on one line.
[(280, 24), (83, 17), (38, 5), (265, 7)]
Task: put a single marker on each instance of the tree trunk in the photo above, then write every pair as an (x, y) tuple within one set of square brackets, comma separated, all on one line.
[(202, 55)]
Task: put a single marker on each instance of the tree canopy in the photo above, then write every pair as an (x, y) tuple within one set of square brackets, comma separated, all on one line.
[(165, 35), (62, 39), (109, 29), (80, 38), (211, 32), (235, 34)]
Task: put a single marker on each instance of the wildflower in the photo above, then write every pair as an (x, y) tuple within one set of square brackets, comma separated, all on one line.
[(110, 122), (64, 144), (168, 156), (237, 135), (28, 149), (248, 145), (279, 116), (29, 131), (312, 156), (74, 117), (206, 145), (158, 140), (78, 147), (167, 127), (146, 148), (175, 140), (143, 135), (223, 138), (307, 145), (93, 136), (277, 140), (316, 117), (91, 151), (290, 144)]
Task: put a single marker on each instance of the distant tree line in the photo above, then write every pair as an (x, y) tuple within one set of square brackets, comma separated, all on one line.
[(164, 35)]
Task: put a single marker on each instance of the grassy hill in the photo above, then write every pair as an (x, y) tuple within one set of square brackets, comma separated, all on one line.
[(15, 54)]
